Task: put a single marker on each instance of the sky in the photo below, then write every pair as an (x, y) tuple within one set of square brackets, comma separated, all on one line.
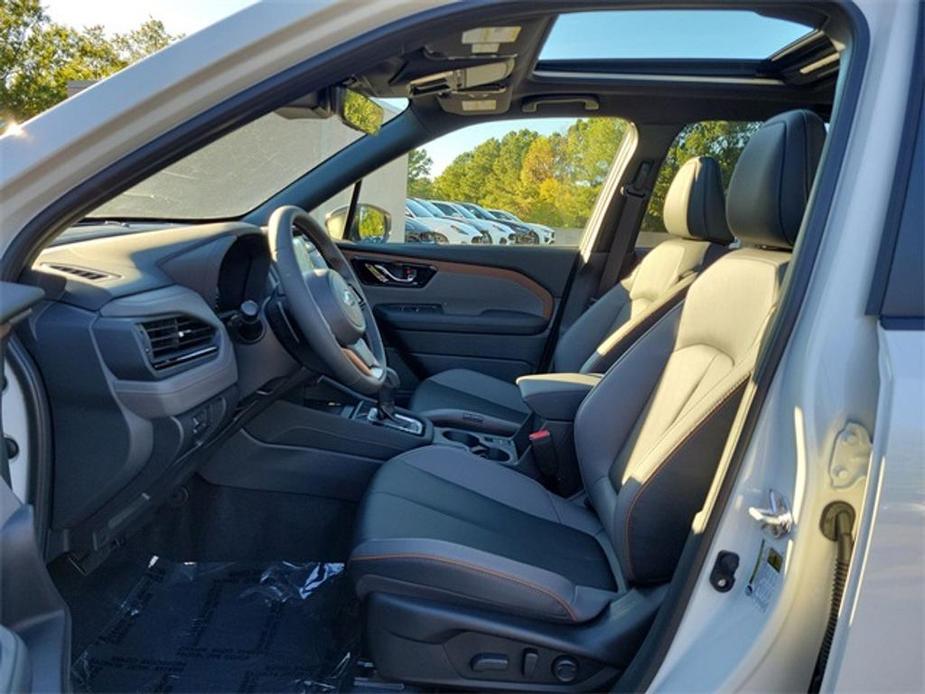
[(626, 34)]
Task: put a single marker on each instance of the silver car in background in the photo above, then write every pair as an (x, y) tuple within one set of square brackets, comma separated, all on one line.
[(447, 211), (525, 234), (547, 235), (445, 230)]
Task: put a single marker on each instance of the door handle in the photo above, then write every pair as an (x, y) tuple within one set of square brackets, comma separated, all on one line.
[(386, 276), (397, 273)]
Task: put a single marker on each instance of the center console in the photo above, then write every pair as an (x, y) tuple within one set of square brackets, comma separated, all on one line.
[(347, 431), (499, 449)]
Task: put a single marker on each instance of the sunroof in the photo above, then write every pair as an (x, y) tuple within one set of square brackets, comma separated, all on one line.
[(704, 34)]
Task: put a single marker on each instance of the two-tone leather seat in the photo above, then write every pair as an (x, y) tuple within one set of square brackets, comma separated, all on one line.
[(694, 215), (475, 575)]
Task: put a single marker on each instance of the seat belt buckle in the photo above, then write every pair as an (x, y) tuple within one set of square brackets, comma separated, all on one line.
[(544, 452)]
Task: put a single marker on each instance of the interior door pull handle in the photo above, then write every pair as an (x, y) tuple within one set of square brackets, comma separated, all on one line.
[(386, 276)]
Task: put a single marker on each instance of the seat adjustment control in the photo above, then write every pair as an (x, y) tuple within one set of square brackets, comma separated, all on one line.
[(565, 669), (531, 657), (489, 662)]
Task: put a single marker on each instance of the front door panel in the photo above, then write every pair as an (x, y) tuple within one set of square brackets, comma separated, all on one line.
[(488, 309)]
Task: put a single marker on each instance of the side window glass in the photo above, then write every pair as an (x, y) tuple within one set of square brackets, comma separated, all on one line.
[(524, 183), (722, 140)]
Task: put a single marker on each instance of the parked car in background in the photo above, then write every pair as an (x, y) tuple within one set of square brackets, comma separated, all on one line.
[(417, 231), (454, 231), (525, 235), (500, 234), (448, 212), (547, 235)]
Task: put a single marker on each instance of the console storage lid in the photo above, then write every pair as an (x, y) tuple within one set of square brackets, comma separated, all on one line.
[(556, 396)]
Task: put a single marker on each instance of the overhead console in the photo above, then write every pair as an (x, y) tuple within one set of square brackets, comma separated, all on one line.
[(469, 72)]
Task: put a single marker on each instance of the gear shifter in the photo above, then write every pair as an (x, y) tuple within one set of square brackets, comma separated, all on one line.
[(385, 408), (385, 414)]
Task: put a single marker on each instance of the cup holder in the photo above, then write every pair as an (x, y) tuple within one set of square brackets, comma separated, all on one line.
[(491, 453), (463, 437), (482, 447)]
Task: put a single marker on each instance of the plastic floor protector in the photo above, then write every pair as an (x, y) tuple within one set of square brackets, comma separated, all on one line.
[(227, 627)]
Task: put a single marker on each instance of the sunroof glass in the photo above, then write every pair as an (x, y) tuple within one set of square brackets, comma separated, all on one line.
[(734, 34)]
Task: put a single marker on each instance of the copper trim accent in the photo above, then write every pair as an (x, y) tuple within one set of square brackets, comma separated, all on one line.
[(532, 286), (356, 361)]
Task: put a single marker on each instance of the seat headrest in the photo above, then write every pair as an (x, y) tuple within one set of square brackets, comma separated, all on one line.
[(694, 205), (772, 179)]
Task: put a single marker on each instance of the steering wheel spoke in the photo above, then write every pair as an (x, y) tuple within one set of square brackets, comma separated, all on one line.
[(363, 358)]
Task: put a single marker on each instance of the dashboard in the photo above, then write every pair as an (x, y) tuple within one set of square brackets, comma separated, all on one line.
[(139, 338)]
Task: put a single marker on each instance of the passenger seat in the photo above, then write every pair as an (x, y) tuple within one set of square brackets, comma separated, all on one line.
[(694, 215)]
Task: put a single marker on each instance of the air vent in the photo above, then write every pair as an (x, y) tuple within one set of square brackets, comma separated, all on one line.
[(176, 340), (82, 272)]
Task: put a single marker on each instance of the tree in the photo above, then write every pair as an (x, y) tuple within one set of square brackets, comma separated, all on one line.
[(722, 140), (503, 187), (38, 57), (553, 179), (420, 184)]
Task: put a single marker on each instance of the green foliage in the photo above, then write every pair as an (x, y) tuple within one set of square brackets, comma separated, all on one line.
[(419, 183), (551, 179), (38, 58), (371, 223), (555, 179), (361, 112), (722, 140)]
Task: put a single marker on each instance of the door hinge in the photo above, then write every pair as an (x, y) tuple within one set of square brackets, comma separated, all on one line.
[(850, 456)]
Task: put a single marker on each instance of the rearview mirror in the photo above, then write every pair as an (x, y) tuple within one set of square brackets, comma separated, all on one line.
[(371, 224), (360, 112)]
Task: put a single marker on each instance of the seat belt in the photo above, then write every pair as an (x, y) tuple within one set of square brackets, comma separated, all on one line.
[(635, 196)]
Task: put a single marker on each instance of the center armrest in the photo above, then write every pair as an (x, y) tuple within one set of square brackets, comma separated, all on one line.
[(556, 396)]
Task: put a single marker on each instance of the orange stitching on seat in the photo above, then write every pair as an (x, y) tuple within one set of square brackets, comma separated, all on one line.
[(473, 567), (668, 456)]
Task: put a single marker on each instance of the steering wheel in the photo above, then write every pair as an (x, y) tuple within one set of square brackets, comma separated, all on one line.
[(328, 304)]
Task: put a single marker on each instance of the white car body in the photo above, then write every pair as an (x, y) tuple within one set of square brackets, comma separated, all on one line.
[(546, 234), (840, 365), (455, 232), (500, 234)]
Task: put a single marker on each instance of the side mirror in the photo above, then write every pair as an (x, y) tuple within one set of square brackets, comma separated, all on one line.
[(371, 224), (360, 112)]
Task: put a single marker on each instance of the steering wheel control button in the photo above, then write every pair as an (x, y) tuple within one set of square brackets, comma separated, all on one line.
[(565, 669), (489, 662)]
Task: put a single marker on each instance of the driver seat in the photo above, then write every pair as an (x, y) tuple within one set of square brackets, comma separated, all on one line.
[(474, 575)]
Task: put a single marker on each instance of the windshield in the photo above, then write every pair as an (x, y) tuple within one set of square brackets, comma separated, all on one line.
[(464, 212), (481, 213), (432, 209), (417, 209), (237, 172)]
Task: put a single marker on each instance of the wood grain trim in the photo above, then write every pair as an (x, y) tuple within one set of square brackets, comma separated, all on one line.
[(532, 286), (356, 361)]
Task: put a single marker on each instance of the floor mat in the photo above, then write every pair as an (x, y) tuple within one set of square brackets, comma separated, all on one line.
[(220, 627)]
